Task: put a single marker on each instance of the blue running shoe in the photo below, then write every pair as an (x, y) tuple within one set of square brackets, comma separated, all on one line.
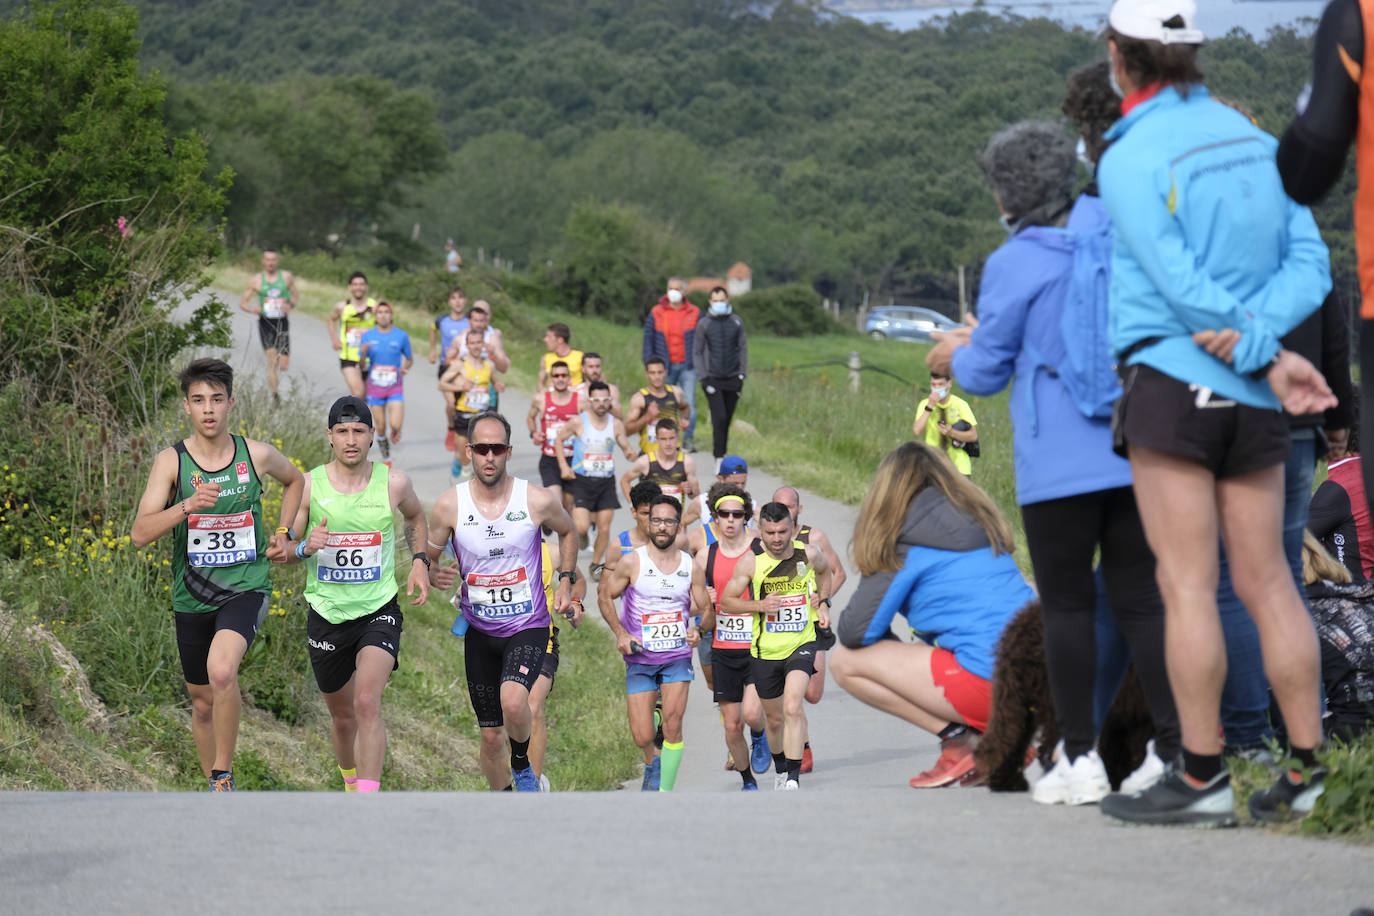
[(750, 787), (759, 756), (651, 775), (525, 780)]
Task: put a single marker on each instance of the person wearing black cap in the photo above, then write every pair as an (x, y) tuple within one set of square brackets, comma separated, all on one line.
[(355, 620)]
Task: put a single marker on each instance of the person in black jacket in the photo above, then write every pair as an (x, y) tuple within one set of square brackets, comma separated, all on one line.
[(720, 353)]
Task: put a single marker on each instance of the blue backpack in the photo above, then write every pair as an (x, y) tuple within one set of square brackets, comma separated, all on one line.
[(1088, 369)]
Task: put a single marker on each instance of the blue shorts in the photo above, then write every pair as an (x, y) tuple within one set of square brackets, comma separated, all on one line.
[(384, 395), (643, 678)]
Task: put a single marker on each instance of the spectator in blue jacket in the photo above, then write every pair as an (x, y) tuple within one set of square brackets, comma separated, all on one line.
[(1074, 492), (931, 547), (1213, 263)]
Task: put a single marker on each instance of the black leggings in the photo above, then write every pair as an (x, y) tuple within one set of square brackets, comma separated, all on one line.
[(722, 404), (1062, 535)]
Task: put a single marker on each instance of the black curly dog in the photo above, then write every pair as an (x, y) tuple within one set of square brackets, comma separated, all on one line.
[(1023, 712)]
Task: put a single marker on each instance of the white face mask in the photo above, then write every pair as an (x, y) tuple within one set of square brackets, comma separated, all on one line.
[(675, 296), (1082, 152), (1111, 77), (720, 308), (940, 393), (1008, 224)]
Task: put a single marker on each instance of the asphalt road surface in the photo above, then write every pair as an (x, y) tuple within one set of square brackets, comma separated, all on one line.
[(855, 838)]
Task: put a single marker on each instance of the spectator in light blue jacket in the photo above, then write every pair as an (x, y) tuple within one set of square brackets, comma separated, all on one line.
[(1212, 264), (1075, 493)]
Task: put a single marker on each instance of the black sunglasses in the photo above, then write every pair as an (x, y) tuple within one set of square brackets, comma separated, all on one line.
[(490, 448), (729, 513)]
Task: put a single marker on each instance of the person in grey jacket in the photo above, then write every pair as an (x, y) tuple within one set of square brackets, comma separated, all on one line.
[(720, 353)]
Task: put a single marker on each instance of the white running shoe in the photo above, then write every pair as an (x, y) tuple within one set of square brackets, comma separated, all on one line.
[(544, 783), (1084, 782), (779, 781), (1150, 771), (791, 786)]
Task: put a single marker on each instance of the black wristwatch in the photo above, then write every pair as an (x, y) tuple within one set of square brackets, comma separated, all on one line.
[(1262, 373), (421, 555), (826, 602), (569, 574)]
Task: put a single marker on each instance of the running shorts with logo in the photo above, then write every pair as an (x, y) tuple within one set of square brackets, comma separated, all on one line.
[(1228, 438), (334, 647), (494, 660)]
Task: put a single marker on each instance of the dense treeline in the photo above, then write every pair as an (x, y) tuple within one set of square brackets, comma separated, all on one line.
[(815, 147)]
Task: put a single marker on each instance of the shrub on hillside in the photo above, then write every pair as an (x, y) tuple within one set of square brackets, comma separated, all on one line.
[(793, 310)]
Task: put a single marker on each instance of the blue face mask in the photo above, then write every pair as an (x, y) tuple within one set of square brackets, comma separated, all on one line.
[(720, 308)]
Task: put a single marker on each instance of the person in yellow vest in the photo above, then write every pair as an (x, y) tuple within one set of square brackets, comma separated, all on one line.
[(944, 421), (354, 622), (350, 319), (556, 340), (469, 381)]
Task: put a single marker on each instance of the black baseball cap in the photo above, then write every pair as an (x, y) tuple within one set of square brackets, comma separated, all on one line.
[(349, 409)]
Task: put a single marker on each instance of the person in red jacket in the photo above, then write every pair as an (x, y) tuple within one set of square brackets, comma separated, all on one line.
[(668, 334)]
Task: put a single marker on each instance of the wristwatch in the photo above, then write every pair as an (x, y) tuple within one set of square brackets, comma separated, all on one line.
[(826, 602), (422, 556), (569, 574)]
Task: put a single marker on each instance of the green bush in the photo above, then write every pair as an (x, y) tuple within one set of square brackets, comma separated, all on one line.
[(793, 310), (107, 219), (1347, 805)]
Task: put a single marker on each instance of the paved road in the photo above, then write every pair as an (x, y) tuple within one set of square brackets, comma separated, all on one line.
[(855, 835)]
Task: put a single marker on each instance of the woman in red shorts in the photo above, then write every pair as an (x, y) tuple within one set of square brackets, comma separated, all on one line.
[(931, 547)]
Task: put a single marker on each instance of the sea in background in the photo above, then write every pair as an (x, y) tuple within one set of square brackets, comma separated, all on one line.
[(1215, 17)]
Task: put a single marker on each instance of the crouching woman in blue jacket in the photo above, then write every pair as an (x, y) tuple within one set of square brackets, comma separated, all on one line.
[(932, 548)]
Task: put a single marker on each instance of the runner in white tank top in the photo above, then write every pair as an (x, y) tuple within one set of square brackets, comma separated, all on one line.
[(493, 522)]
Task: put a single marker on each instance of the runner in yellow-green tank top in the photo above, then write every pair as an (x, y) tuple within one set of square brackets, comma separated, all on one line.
[(207, 492), (786, 585), (354, 621)]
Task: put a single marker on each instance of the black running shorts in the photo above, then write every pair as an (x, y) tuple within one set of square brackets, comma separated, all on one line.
[(275, 334), (1160, 412), (243, 614), (549, 475), (493, 660), (769, 676), (334, 647), (594, 493), (730, 671)]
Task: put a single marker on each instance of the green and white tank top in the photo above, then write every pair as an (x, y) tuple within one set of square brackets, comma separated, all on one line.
[(273, 296), (221, 552)]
